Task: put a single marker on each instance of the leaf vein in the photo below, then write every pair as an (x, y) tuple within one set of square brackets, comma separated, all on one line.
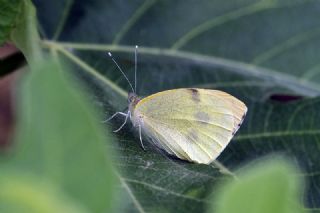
[(165, 191), (277, 134)]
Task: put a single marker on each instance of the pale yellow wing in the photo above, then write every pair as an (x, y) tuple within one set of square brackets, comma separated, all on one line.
[(193, 124)]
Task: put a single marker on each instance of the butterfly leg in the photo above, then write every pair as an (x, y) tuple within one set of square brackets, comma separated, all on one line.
[(124, 123), (114, 115), (141, 137)]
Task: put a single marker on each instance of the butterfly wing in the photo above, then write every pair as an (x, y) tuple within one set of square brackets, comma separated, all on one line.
[(193, 124)]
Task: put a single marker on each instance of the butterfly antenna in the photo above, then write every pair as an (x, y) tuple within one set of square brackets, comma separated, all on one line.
[(135, 67), (109, 53)]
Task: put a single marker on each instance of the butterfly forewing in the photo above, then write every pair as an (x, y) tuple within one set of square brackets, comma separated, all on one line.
[(193, 124)]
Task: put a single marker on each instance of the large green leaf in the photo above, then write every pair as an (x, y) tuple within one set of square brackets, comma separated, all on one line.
[(25, 193), (9, 13), (251, 49), (18, 24), (268, 186), (59, 139)]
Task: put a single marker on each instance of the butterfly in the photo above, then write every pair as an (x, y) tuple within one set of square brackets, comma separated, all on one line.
[(192, 124)]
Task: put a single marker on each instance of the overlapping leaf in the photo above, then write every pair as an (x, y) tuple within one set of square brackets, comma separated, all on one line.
[(9, 13)]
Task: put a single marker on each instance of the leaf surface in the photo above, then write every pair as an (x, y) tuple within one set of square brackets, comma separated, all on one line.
[(255, 50)]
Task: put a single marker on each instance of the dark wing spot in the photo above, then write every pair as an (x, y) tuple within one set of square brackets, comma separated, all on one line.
[(203, 117), (193, 135), (194, 94), (244, 115), (239, 124)]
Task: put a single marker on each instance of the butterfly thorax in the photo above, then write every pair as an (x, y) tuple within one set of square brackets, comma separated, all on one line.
[(133, 100)]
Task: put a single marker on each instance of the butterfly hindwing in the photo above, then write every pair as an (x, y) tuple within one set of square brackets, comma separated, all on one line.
[(193, 124)]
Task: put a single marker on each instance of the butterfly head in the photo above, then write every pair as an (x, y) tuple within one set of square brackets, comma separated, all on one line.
[(133, 98)]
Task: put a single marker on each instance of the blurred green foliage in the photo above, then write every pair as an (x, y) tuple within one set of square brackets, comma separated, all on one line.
[(268, 186)]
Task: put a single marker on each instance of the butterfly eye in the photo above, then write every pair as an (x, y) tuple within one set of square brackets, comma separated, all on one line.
[(131, 97)]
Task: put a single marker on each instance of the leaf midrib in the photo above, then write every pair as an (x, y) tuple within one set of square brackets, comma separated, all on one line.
[(303, 132), (291, 82)]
